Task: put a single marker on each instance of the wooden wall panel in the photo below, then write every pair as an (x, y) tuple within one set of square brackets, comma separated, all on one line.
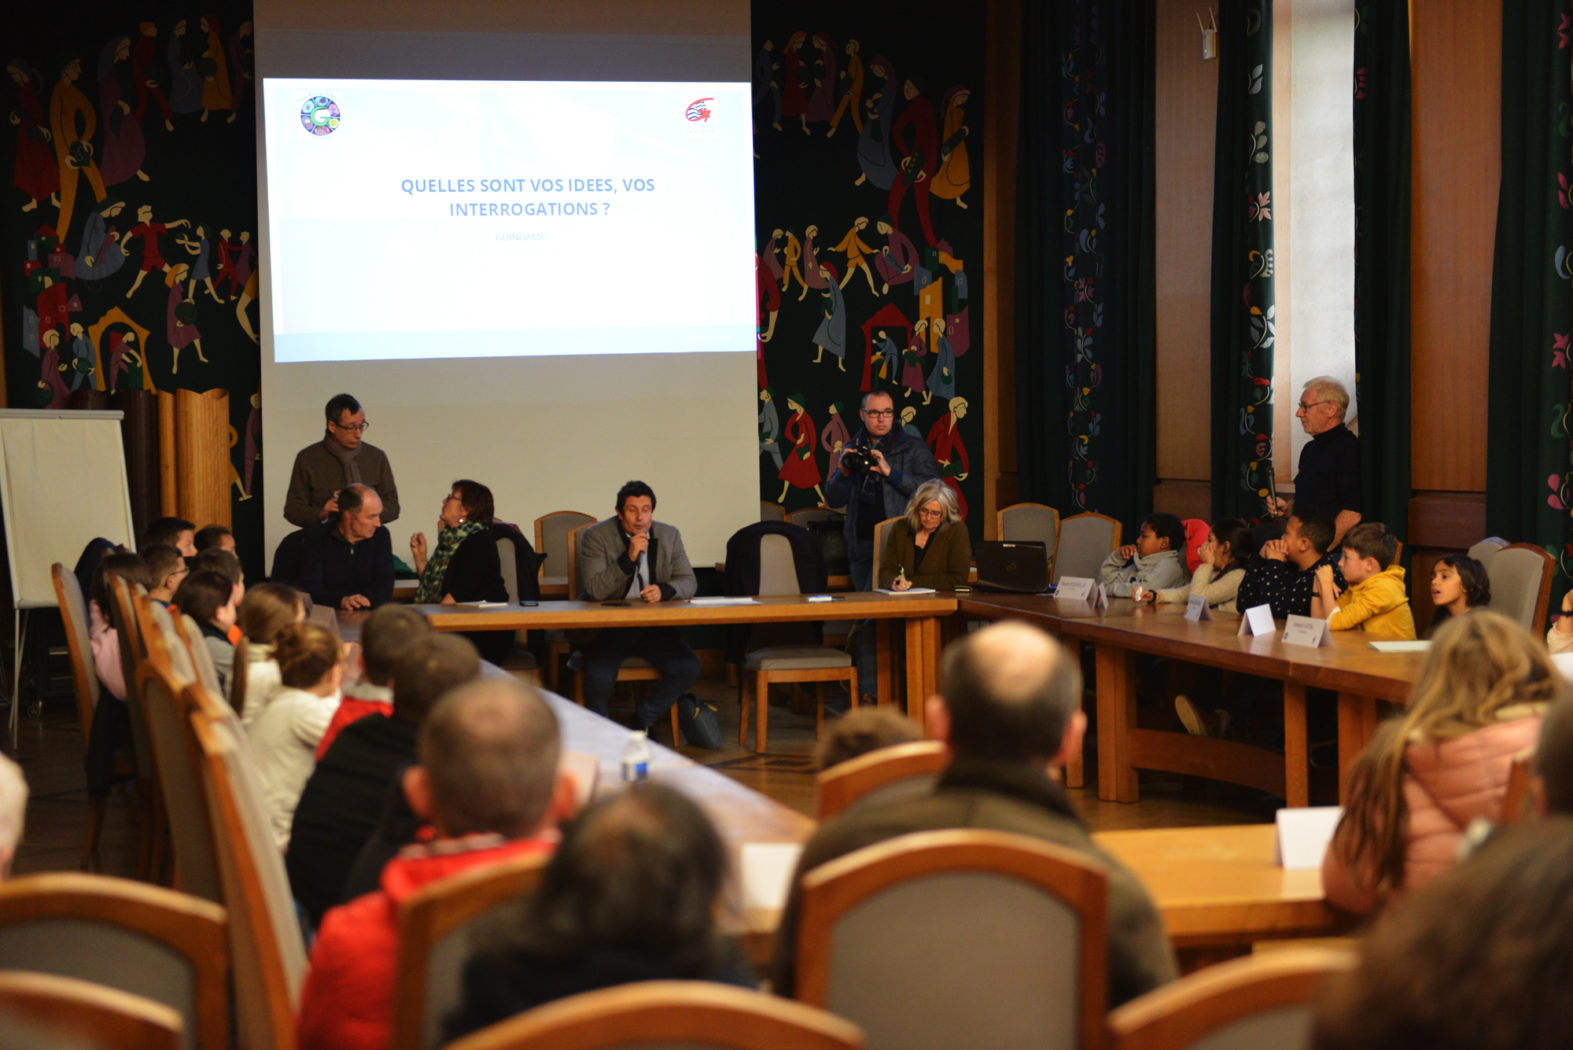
[(1186, 89), (1456, 48)]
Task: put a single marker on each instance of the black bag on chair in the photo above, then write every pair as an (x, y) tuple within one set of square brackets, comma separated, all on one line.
[(698, 722)]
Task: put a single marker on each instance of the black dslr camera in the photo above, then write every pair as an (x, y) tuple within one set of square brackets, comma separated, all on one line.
[(859, 460)]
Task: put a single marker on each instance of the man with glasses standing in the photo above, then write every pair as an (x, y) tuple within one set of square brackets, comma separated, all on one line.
[(1329, 477), (899, 464), (340, 459)]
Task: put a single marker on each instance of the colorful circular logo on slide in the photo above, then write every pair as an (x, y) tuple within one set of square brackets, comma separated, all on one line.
[(319, 115), (699, 109)]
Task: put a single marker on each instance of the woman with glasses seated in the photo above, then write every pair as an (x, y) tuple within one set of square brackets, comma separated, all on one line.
[(929, 547), (464, 566)]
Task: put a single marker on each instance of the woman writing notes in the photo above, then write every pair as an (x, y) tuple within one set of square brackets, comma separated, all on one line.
[(929, 546)]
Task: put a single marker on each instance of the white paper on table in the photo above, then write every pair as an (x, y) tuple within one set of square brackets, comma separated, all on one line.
[(1308, 630), (1303, 835), (1074, 588), (1258, 619), (767, 873), (1197, 609), (584, 770), (723, 601), (1418, 645), (909, 590)]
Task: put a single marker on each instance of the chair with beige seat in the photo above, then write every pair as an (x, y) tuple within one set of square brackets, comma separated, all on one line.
[(39, 1010), (889, 774), (1084, 541), (1035, 522)]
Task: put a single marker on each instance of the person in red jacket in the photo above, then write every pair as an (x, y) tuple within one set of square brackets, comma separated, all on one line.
[(488, 781)]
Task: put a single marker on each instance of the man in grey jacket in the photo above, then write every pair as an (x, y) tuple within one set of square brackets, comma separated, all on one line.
[(633, 557)]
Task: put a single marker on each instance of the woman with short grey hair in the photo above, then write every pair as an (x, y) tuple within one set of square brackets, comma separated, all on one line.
[(929, 546)]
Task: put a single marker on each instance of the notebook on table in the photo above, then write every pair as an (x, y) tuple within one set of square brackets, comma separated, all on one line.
[(1018, 566)]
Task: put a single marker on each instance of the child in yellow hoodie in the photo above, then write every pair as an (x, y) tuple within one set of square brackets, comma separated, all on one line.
[(1375, 601)]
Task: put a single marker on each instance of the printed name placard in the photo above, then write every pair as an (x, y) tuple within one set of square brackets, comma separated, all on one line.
[(1257, 620), (1308, 630), (1303, 835), (1074, 588), (1197, 609), (1100, 598)]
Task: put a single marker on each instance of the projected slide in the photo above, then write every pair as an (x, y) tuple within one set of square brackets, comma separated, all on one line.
[(443, 219)]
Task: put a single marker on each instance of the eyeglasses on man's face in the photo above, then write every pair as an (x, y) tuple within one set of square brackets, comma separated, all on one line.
[(357, 427), (879, 413), (1306, 407)]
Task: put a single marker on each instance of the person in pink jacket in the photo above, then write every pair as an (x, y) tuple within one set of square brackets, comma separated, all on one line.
[(1445, 761)]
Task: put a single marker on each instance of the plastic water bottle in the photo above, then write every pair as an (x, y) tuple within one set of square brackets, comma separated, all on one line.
[(636, 758)]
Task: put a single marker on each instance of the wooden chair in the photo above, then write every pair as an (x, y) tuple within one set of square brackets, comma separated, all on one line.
[(1260, 1000), (237, 677), (265, 937), (167, 708), (73, 612), (1030, 521), (1486, 549), (1520, 575), (152, 829), (1085, 540), (551, 542), (770, 510), (634, 669), (80, 1013), (881, 537), (165, 946), (669, 1013), (899, 771), (1515, 800), (786, 663), (436, 929), (190, 636), (1024, 933)]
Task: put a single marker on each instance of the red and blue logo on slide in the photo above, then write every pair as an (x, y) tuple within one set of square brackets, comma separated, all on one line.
[(699, 109), (319, 115)]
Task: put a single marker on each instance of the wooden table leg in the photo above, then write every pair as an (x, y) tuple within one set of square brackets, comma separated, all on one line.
[(886, 676), (1356, 725), (922, 638), (1116, 686), (1297, 757)]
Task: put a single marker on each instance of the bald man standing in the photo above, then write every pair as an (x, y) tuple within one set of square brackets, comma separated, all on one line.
[(1009, 707)]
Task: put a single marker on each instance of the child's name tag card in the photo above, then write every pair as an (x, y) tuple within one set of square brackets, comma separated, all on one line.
[(1303, 835), (1074, 588), (1197, 609), (1100, 598), (1308, 630), (1257, 620)]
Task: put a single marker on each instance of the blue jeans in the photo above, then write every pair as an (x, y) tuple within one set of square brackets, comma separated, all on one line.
[(662, 647), (860, 557)]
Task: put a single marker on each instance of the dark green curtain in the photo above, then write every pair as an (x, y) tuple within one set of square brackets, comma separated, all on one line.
[(1243, 316), (1529, 484), (1381, 123), (1085, 293)]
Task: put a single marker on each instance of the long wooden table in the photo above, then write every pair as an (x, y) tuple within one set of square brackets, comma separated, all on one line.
[(919, 614), (1350, 667)]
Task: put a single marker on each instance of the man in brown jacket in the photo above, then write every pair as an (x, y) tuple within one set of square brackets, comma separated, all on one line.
[(1009, 707)]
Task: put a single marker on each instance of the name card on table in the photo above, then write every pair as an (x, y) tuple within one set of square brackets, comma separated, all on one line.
[(1074, 588), (1100, 599), (1303, 835), (1257, 620), (767, 872), (1197, 609), (1308, 630)]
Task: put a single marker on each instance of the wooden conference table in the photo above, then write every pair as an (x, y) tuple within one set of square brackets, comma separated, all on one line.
[(919, 614), (1349, 667)]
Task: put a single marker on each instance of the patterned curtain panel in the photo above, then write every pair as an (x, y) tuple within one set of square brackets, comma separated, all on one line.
[(1243, 321), (1085, 294), (1381, 122), (1529, 483)]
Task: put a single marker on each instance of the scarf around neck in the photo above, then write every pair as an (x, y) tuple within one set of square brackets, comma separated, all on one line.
[(348, 458), (448, 540)]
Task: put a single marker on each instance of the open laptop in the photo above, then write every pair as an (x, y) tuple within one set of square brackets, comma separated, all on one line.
[(1019, 566)]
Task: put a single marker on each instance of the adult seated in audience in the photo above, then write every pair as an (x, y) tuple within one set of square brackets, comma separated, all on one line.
[(861, 730), (283, 736), (210, 599), (347, 561), (928, 546), (1445, 761), (634, 557), (1459, 583), (1156, 561), (165, 568), (1559, 638), (1375, 602), (1283, 573), (339, 807), (1552, 783), (211, 536), (368, 666), (1329, 478), (266, 610), (464, 566), (488, 780), (111, 729), (1009, 707), (341, 459), (1477, 960), (630, 895), (172, 532), (13, 811)]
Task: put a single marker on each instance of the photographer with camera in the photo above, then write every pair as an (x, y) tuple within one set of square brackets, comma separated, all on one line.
[(875, 477)]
